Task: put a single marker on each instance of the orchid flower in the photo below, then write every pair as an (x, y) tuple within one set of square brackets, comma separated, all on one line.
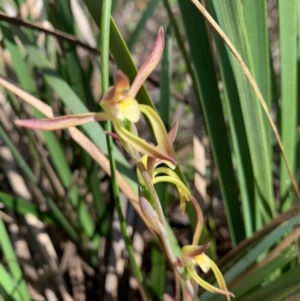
[(123, 110), (193, 255), (119, 105)]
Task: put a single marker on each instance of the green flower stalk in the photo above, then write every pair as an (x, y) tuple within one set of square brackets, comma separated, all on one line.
[(122, 109)]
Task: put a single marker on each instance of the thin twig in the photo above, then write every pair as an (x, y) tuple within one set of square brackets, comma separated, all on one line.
[(53, 32)]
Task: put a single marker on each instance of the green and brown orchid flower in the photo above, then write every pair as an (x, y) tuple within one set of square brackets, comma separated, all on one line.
[(194, 255), (191, 255), (122, 109), (119, 105)]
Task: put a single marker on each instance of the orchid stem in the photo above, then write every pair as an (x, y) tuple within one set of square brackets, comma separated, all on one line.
[(105, 32), (152, 191)]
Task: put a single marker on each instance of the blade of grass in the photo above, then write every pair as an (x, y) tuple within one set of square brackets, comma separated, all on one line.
[(298, 99), (12, 262), (26, 81), (54, 148), (253, 84), (229, 16), (61, 17), (158, 271), (151, 5), (251, 256), (18, 157), (289, 82), (181, 44), (20, 67), (255, 13), (287, 284), (263, 273), (24, 207), (238, 134), (8, 286), (213, 113)]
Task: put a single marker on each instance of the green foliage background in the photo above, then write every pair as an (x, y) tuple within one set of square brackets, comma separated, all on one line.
[(51, 185)]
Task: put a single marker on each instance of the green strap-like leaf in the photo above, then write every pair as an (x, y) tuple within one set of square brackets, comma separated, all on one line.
[(251, 256), (289, 82), (231, 19), (214, 116), (238, 135)]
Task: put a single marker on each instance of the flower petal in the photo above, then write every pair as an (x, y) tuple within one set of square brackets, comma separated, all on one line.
[(218, 275), (141, 145), (116, 94), (191, 251), (208, 286), (149, 65), (183, 192), (118, 103), (113, 92), (149, 163), (173, 133), (203, 262), (129, 107), (160, 133), (121, 82), (58, 123)]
